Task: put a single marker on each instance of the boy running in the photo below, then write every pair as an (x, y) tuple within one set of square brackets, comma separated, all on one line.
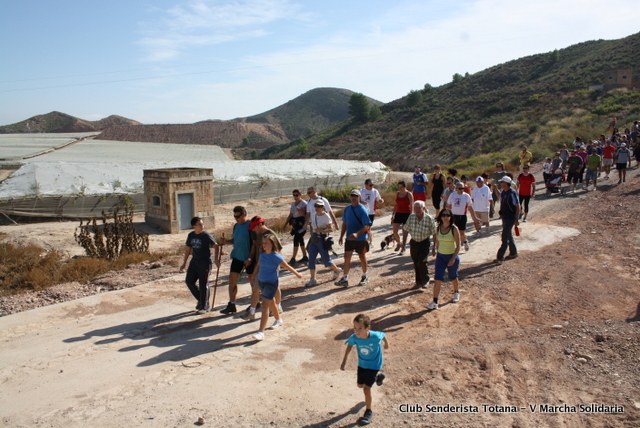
[(368, 345)]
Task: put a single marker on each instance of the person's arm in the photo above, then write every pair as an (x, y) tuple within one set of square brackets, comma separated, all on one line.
[(473, 214), (346, 354), (533, 186), (517, 205), (216, 248), (456, 240), (385, 342), (288, 267), (435, 243), (343, 230), (187, 253), (365, 226), (252, 253)]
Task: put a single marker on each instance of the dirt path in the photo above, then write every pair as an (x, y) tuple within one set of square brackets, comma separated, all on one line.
[(558, 326)]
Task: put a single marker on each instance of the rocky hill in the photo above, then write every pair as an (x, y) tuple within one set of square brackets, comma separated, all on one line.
[(310, 112), (541, 100), (55, 122)]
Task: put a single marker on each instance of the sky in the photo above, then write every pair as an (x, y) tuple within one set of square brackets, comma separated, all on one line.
[(183, 61)]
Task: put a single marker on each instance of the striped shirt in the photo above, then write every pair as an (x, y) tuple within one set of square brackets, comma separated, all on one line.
[(420, 229)]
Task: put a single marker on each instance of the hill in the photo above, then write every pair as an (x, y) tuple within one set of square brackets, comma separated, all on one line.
[(56, 122), (541, 100), (310, 112)]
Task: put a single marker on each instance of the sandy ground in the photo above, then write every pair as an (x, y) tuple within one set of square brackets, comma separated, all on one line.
[(558, 326)]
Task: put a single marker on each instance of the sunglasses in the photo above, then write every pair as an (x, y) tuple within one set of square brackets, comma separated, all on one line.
[(237, 215), (445, 215), (309, 192), (296, 194)]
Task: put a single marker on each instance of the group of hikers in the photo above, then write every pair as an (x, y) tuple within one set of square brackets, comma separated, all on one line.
[(457, 202)]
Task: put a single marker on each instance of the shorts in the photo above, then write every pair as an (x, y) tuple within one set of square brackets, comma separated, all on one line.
[(442, 262), (367, 376), (592, 174), (484, 217), (268, 289), (371, 217), (607, 162), (238, 265), (400, 218), (436, 200), (460, 221), (573, 177), (621, 166), (360, 247), (419, 196)]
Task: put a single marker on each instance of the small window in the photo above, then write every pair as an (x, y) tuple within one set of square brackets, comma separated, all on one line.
[(156, 201), (624, 77), (610, 77)]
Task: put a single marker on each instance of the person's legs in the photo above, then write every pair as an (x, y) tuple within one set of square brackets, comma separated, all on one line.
[(191, 278), (507, 237), (367, 396), (363, 262), (203, 289), (396, 235), (266, 306), (233, 286), (347, 262)]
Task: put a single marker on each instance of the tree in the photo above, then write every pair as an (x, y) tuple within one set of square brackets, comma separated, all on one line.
[(414, 98), (374, 113), (457, 78), (302, 146), (359, 107), (427, 88)]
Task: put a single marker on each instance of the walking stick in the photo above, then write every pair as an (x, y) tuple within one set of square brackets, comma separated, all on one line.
[(215, 285)]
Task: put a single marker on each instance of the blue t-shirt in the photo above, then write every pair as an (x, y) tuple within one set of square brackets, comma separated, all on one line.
[(508, 201), (269, 266), (369, 350), (356, 218), (200, 244), (419, 188), (241, 242)]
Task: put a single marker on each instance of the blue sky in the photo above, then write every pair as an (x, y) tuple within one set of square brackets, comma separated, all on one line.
[(174, 61)]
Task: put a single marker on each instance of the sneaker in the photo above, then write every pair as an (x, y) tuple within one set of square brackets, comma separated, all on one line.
[(402, 252), (342, 283), (431, 306), (202, 311), (456, 297), (498, 261), (292, 261), (380, 378), (312, 283), (257, 307), (258, 336), (511, 256), (337, 274), (276, 324), (364, 280), (520, 216), (305, 259), (248, 316), (367, 418), (466, 245), (524, 221), (230, 309), (397, 248), (280, 310)]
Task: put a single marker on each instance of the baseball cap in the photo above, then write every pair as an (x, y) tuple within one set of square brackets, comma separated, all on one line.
[(355, 192), (319, 203), (623, 145), (255, 221), (505, 179), (479, 178)]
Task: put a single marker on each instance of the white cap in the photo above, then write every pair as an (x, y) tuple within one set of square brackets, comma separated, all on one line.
[(505, 179)]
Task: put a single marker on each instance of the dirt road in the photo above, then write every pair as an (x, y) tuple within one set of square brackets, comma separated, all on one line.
[(559, 326)]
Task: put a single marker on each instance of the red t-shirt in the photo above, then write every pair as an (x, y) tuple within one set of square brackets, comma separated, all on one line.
[(607, 152), (526, 184)]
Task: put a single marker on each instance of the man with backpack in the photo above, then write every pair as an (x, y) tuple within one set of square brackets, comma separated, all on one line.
[(356, 225), (509, 213)]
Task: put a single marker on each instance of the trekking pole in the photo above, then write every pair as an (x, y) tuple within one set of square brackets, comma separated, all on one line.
[(215, 285)]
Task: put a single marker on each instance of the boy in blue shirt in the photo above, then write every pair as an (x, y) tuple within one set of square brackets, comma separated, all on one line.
[(368, 345), (355, 225)]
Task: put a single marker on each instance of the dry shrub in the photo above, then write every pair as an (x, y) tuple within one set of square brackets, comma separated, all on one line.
[(27, 267), (82, 269), (112, 240)]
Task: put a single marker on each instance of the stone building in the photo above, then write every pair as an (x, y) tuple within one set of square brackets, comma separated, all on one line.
[(175, 195)]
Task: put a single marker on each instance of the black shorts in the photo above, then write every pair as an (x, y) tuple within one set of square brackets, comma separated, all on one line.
[(573, 177), (366, 376), (621, 166), (400, 218), (238, 265), (460, 221), (360, 247)]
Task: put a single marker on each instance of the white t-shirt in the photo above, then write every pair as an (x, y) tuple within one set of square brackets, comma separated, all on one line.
[(459, 203), (321, 222), (481, 197), (294, 208), (311, 206), (369, 198)]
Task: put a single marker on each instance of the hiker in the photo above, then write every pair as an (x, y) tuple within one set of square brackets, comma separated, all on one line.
[(509, 213), (437, 181), (370, 197), (421, 227), (526, 189), (446, 247), (355, 224), (321, 228), (240, 256), (420, 182), (460, 203), (482, 204), (198, 246), (297, 218), (270, 259), (401, 211), (369, 345)]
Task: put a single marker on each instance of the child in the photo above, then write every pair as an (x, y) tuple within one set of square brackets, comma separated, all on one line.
[(369, 359), (267, 269)]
